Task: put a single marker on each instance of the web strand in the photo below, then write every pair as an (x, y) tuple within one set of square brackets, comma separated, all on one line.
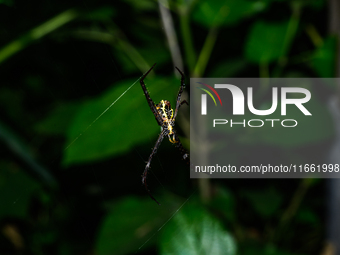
[(170, 218), (108, 108)]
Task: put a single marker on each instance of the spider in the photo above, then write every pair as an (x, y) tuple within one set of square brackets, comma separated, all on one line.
[(165, 117)]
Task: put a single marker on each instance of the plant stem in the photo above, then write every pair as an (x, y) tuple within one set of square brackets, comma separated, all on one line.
[(170, 34), (18, 148), (115, 38), (314, 35), (134, 55), (37, 33), (291, 32), (187, 39), (264, 70), (206, 52), (293, 206)]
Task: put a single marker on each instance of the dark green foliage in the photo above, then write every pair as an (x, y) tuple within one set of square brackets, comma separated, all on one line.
[(266, 42), (76, 130)]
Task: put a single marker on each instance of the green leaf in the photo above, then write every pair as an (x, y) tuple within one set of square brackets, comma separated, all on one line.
[(323, 59), (59, 119), (266, 42), (132, 223), (104, 13), (315, 4), (16, 190), (194, 231), (259, 200), (216, 13), (95, 134), (307, 216), (141, 6), (224, 202)]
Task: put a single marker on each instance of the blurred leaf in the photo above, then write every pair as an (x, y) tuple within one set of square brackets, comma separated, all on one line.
[(141, 6), (216, 13), (194, 231), (307, 216), (101, 14), (16, 190), (127, 123), (131, 222), (36, 33), (323, 59), (23, 152), (224, 201), (268, 249), (34, 82), (12, 101), (260, 200), (159, 54), (127, 65), (316, 4), (229, 68), (7, 2), (59, 119), (45, 237), (266, 41)]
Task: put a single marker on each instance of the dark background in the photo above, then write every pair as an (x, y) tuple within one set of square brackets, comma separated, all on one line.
[(72, 155)]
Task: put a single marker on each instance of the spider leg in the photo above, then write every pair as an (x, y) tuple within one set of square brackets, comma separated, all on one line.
[(178, 102), (148, 98), (147, 167), (185, 155), (183, 102)]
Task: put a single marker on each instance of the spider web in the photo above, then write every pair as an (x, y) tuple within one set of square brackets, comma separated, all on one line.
[(176, 211), (100, 115)]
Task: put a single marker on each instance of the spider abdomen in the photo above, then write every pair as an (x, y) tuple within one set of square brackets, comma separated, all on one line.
[(167, 114), (165, 111)]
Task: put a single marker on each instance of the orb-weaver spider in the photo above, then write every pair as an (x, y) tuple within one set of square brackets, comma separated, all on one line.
[(165, 117)]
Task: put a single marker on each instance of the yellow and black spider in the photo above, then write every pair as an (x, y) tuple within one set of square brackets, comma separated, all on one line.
[(165, 117)]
